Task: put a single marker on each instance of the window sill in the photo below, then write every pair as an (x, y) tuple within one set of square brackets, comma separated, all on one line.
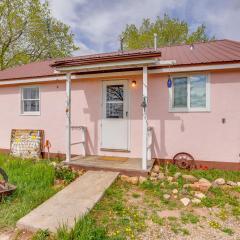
[(189, 110), (30, 114)]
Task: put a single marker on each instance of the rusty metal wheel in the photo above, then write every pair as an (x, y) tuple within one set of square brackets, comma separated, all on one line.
[(184, 160)]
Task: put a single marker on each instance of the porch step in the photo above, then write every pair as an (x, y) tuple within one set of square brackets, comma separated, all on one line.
[(71, 203)]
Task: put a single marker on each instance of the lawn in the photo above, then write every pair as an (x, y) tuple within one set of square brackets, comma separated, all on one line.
[(137, 211), (34, 181), (128, 211)]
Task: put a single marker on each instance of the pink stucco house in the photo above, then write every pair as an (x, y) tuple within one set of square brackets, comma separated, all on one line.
[(139, 105)]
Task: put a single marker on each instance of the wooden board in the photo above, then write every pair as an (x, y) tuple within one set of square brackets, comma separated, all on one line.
[(26, 143), (120, 159)]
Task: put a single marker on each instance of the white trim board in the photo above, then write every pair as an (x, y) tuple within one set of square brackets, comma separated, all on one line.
[(127, 73)]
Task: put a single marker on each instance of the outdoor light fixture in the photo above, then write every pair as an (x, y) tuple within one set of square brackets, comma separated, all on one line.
[(134, 83), (169, 82)]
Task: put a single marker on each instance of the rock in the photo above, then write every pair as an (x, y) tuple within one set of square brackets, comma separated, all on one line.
[(203, 184), (204, 180), (238, 184), (166, 196), (170, 178), (185, 201), (174, 191), (154, 174), (154, 179), (231, 183), (175, 196), (156, 168), (196, 201), (220, 181), (124, 178), (160, 176), (134, 180), (199, 195), (198, 186), (142, 179), (177, 175), (189, 178)]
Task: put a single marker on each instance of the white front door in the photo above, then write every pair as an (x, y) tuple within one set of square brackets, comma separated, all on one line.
[(115, 107)]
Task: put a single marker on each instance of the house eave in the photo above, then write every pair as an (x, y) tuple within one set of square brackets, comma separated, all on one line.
[(159, 70)]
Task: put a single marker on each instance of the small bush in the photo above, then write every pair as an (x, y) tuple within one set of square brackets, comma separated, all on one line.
[(65, 173)]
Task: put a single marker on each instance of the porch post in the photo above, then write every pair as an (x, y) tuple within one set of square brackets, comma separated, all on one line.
[(145, 124), (68, 117)]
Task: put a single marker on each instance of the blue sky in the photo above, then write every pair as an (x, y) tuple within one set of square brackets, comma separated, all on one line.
[(97, 24)]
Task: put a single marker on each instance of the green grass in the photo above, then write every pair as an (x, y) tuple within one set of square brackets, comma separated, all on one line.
[(229, 231), (34, 181), (189, 218), (84, 229)]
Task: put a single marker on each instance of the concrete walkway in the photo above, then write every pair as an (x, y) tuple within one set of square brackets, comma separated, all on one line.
[(69, 204)]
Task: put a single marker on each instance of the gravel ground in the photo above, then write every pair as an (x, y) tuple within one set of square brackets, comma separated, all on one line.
[(199, 231)]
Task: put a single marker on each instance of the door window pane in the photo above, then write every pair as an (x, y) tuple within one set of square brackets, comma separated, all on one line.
[(198, 91), (115, 93), (180, 92), (114, 110), (114, 101)]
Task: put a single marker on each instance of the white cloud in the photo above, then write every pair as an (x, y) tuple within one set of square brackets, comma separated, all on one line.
[(221, 17), (97, 24), (84, 50)]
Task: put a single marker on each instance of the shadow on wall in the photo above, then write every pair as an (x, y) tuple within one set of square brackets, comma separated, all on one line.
[(158, 115), (87, 111), (88, 97)]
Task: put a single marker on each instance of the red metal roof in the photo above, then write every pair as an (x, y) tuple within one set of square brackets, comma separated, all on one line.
[(218, 51)]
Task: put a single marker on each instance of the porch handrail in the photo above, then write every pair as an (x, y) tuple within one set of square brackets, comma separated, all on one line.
[(149, 143), (82, 130)]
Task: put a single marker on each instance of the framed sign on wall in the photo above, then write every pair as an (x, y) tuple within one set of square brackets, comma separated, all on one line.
[(26, 143)]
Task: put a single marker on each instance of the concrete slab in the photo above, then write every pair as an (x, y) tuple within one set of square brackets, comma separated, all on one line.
[(69, 204), (126, 166), (5, 236)]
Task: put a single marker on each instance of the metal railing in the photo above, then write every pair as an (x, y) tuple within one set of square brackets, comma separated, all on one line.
[(82, 142), (149, 143)]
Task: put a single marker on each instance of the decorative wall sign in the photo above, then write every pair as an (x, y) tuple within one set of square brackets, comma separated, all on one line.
[(26, 143)]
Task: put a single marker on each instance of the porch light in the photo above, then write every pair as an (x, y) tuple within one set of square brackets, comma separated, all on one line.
[(134, 83)]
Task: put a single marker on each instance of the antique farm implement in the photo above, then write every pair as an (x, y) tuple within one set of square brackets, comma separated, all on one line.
[(5, 187)]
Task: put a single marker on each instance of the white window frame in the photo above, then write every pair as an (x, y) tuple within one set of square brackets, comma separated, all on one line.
[(188, 108), (37, 113)]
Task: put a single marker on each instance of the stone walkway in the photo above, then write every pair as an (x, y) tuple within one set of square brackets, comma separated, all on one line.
[(69, 204)]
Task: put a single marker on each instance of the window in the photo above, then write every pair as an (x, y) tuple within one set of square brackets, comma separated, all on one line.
[(30, 101), (114, 101), (189, 93)]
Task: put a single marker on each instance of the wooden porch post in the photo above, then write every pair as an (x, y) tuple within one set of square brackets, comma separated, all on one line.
[(68, 117), (145, 124)]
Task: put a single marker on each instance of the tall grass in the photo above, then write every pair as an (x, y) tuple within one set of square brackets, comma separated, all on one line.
[(34, 181), (84, 229)]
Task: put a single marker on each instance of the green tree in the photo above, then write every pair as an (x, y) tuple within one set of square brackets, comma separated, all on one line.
[(169, 31), (29, 33)]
